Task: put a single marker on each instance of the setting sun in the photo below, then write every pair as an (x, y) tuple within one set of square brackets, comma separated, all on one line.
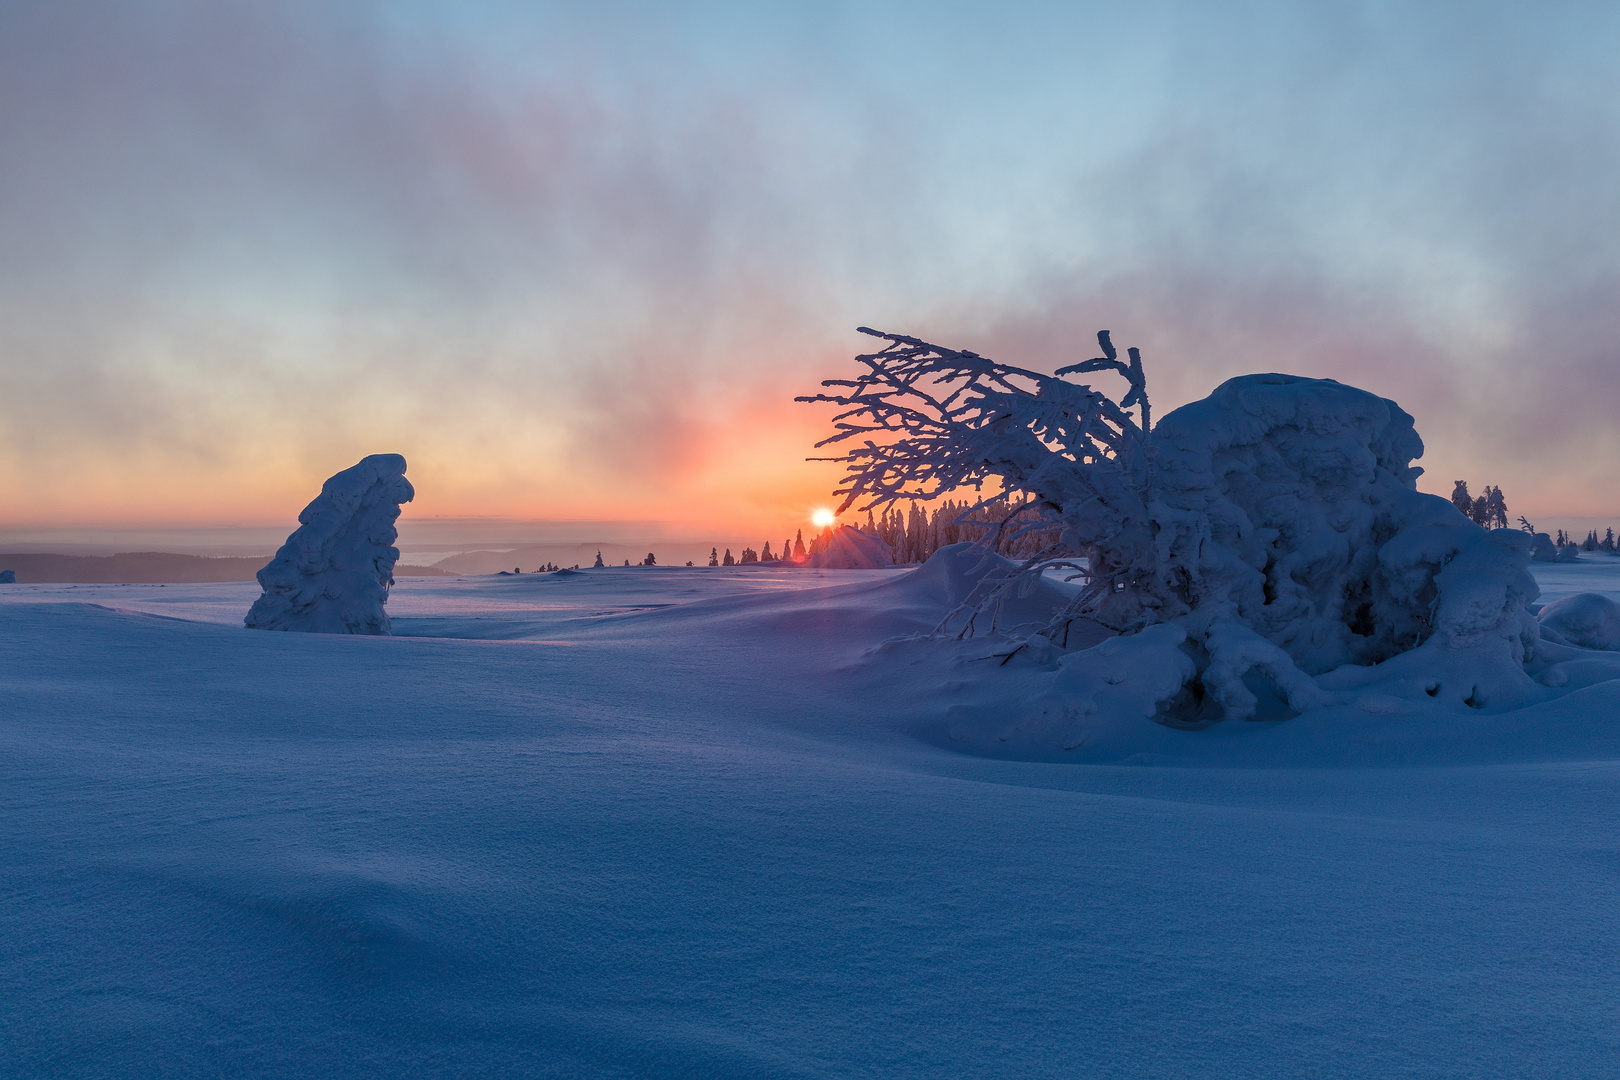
[(822, 518)]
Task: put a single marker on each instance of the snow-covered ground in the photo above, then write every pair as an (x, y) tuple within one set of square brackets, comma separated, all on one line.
[(696, 822)]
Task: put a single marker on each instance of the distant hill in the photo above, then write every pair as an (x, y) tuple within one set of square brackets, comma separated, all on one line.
[(148, 568)]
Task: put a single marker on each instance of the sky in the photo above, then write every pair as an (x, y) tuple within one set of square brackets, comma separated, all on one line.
[(574, 261)]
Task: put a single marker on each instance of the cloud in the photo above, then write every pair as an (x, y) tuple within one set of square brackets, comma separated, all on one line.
[(571, 259)]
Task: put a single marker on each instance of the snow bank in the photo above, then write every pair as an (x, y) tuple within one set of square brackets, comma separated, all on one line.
[(1585, 619), (333, 574), (848, 548)]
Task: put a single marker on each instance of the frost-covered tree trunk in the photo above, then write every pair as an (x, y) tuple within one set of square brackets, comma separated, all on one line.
[(333, 574)]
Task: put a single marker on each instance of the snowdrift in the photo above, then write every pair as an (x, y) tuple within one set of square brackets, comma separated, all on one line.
[(1295, 568), (848, 548), (1585, 620), (333, 574)]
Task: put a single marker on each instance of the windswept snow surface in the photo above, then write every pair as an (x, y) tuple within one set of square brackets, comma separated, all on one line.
[(711, 823)]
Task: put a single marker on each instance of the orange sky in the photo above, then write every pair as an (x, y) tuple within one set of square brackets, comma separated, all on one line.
[(579, 271)]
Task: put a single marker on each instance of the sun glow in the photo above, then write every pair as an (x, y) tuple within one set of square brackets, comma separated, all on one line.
[(822, 518)]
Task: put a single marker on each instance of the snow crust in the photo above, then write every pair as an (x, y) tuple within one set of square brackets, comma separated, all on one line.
[(333, 574), (848, 548)]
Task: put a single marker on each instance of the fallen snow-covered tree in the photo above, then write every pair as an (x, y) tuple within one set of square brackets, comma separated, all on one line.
[(1270, 536), (333, 574)]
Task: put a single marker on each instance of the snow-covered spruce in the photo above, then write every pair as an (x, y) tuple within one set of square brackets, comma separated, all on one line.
[(1270, 536), (333, 574)]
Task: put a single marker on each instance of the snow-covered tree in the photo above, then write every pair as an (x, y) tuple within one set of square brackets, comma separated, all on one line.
[(714, 556), (798, 545), (1275, 525), (1461, 499), (765, 553), (749, 555), (333, 574), (728, 560), (1607, 543), (650, 560), (599, 564)]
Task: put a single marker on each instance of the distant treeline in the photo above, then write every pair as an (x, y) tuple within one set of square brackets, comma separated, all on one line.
[(148, 568), (1592, 542), (916, 534)]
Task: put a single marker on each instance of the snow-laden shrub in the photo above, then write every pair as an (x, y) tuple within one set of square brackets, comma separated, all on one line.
[(333, 574), (8, 577), (1276, 522)]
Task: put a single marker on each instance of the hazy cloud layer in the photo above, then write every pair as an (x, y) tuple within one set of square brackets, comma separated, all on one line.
[(575, 261)]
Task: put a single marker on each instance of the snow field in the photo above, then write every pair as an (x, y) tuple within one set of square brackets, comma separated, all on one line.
[(673, 822)]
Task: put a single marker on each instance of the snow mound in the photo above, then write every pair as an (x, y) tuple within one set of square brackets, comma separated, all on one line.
[(1297, 568), (8, 577), (1295, 543), (848, 548), (1542, 549), (1585, 619), (333, 574), (957, 575)]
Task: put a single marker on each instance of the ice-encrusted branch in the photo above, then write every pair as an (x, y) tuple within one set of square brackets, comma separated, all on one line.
[(928, 420)]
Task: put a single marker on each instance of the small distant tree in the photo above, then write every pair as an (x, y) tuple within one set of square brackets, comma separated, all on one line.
[(1591, 542), (787, 549), (1496, 511), (599, 563), (627, 562), (798, 546), (1608, 541), (688, 562), (649, 560), (765, 554), (714, 556), (749, 555), (1560, 539), (728, 560)]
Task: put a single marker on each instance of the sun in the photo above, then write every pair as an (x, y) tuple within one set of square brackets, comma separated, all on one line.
[(822, 518)]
